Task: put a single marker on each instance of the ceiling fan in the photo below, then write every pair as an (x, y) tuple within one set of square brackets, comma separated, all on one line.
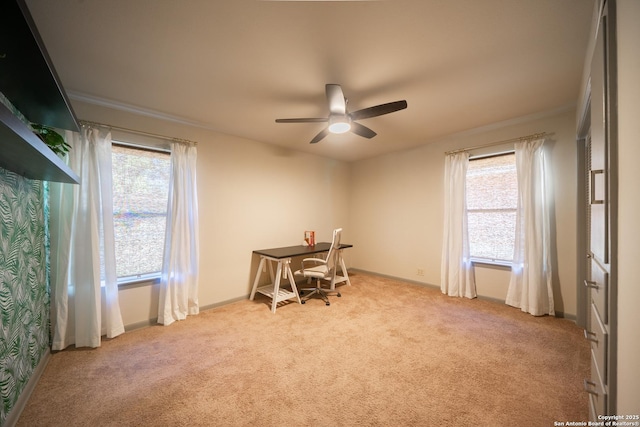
[(340, 120)]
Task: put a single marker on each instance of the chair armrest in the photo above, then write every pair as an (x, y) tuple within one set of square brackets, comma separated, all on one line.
[(320, 260), (316, 261)]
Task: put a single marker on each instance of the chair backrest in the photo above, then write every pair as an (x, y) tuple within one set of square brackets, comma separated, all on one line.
[(332, 256)]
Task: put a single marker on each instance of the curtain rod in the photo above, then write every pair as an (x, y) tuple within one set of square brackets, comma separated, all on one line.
[(138, 132), (506, 141)]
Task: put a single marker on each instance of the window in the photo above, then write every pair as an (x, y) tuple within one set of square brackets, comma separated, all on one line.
[(492, 198), (140, 194)]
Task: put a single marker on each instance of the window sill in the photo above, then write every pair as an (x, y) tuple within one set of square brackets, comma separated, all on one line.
[(506, 265), (139, 280)]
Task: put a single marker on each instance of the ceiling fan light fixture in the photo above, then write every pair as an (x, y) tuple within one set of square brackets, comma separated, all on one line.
[(338, 124), (340, 120)]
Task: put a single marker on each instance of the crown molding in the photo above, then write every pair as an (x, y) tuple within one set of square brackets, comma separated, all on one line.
[(147, 112)]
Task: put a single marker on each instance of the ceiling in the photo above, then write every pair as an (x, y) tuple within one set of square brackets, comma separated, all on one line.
[(234, 66)]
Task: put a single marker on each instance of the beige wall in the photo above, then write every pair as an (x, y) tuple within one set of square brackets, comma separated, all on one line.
[(629, 205), (396, 209)]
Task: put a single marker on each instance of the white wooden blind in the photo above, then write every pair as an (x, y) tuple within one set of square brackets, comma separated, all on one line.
[(140, 194), (492, 197)]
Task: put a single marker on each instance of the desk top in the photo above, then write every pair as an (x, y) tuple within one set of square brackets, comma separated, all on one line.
[(299, 250)]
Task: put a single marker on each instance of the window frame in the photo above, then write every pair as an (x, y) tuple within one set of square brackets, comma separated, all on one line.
[(493, 262), (144, 278)]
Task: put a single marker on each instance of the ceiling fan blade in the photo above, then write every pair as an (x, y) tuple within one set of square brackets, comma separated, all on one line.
[(324, 132), (361, 130), (378, 110), (302, 120), (335, 98)]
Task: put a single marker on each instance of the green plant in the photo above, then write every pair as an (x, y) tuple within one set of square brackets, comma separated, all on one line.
[(53, 139)]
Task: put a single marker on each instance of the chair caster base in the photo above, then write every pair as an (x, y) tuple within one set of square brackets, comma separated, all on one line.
[(302, 301), (327, 303)]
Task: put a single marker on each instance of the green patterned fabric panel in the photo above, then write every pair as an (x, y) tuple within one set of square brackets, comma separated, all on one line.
[(24, 290)]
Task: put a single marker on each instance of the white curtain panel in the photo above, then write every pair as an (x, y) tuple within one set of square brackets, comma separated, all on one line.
[(179, 281), (82, 230), (457, 275), (530, 285)]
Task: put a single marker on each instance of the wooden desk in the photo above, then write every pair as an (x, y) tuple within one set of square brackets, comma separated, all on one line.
[(282, 256)]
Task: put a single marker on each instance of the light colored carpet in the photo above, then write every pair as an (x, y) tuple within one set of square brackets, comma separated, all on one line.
[(387, 353)]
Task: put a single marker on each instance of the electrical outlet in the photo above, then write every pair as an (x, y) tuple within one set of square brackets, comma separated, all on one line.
[(420, 272)]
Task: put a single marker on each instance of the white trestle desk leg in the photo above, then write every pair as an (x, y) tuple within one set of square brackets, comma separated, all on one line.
[(257, 279), (272, 290), (270, 265), (276, 287), (332, 286), (344, 269), (292, 281)]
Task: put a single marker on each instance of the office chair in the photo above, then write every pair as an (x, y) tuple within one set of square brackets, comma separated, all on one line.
[(321, 269)]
